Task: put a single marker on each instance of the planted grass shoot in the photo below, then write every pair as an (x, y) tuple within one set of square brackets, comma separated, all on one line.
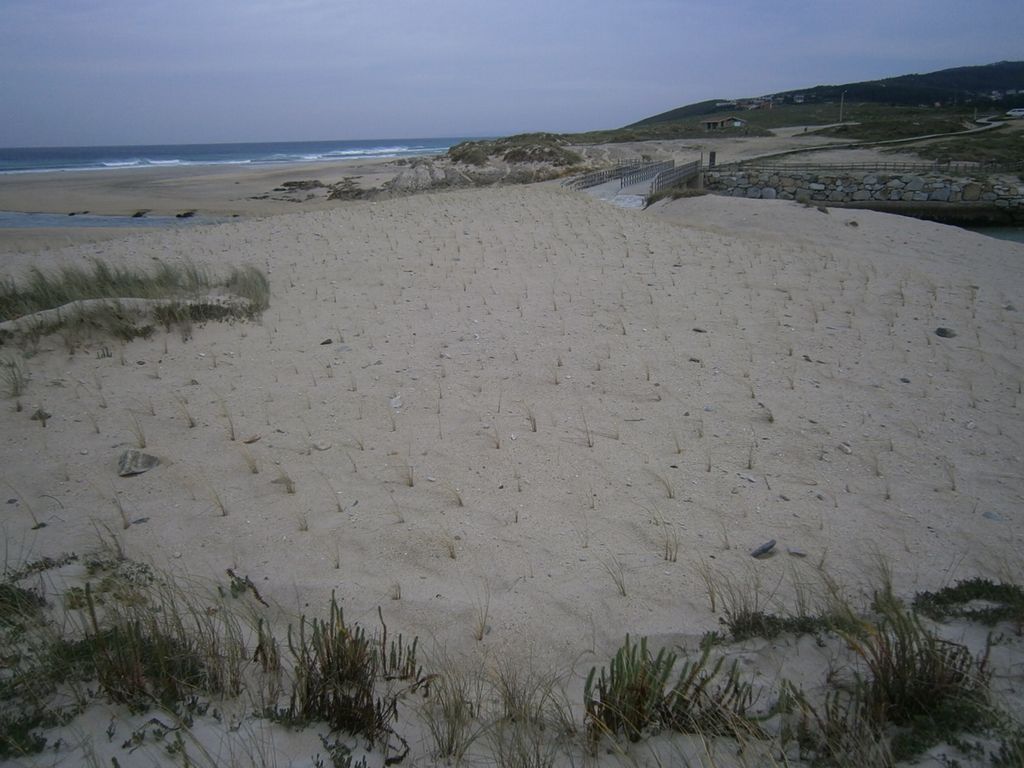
[(456, 494), (531, 417), (36, 522), (218, 500), (482, 613), (407, 474), (13, 377), (183, 407), (664, 482), (226, 413), (250, 461), (136, 428), (285, 481), (670, 542), (617, 571), (125, 522)]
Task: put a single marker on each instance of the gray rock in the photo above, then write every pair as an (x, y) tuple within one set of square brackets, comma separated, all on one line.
[(767, 193), (990, 515), (135, 462), (764, 550)]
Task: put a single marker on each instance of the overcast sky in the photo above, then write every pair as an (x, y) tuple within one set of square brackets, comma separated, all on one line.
[(83, 72)]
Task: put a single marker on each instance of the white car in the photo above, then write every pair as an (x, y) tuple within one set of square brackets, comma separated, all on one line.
[(1019, 112)]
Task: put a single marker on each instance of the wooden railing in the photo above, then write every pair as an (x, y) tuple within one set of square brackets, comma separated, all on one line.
[(673, 176), (594, 178), (646, 172)]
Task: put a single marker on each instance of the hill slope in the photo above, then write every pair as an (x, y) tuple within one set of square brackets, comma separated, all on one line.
[(959, 85)]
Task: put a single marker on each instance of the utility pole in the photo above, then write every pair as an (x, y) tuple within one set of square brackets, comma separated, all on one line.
[(842, 103)]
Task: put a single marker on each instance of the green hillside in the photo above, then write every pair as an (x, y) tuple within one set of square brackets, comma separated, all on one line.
[(983, 86)]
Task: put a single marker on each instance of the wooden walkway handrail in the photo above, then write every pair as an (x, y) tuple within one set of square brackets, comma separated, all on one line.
[(672, 176), (594, 178)]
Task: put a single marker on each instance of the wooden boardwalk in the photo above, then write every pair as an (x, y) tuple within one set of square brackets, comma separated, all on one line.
[(628, 185)]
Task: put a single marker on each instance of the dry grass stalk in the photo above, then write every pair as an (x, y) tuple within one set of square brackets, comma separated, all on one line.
[(136, 427)]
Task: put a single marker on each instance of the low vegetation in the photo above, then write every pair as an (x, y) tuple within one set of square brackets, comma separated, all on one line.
[(140, 639), (633, 696), (980, 600), (674, 193), (1001, 145), (123, 303), (547, 148), (174, 653), (689, 129), (873, 122)]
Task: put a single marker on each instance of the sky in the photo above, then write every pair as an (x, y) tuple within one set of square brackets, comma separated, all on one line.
[(110, 72)]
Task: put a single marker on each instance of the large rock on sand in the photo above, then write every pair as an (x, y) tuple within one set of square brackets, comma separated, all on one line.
[(135, 462)]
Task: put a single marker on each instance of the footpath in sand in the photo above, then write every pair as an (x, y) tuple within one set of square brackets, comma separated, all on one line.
[(529, 415)]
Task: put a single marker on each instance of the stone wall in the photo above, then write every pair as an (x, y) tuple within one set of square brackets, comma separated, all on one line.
[(865, 187)]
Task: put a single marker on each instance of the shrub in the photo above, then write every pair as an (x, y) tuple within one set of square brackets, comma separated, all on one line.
[(470, 152)]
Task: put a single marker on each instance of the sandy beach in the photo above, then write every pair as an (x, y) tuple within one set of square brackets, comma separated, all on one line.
[(500, 411), (212, 190)]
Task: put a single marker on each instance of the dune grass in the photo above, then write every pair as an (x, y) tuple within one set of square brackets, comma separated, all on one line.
[(125, 302), (46, 290)]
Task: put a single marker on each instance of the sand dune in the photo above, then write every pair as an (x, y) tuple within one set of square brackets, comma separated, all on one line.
[(536, 418)]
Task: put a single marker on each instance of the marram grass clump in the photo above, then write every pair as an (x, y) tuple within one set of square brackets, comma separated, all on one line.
[(123, 302)]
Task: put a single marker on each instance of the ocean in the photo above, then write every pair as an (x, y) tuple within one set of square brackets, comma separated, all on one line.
[(41, 159)]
